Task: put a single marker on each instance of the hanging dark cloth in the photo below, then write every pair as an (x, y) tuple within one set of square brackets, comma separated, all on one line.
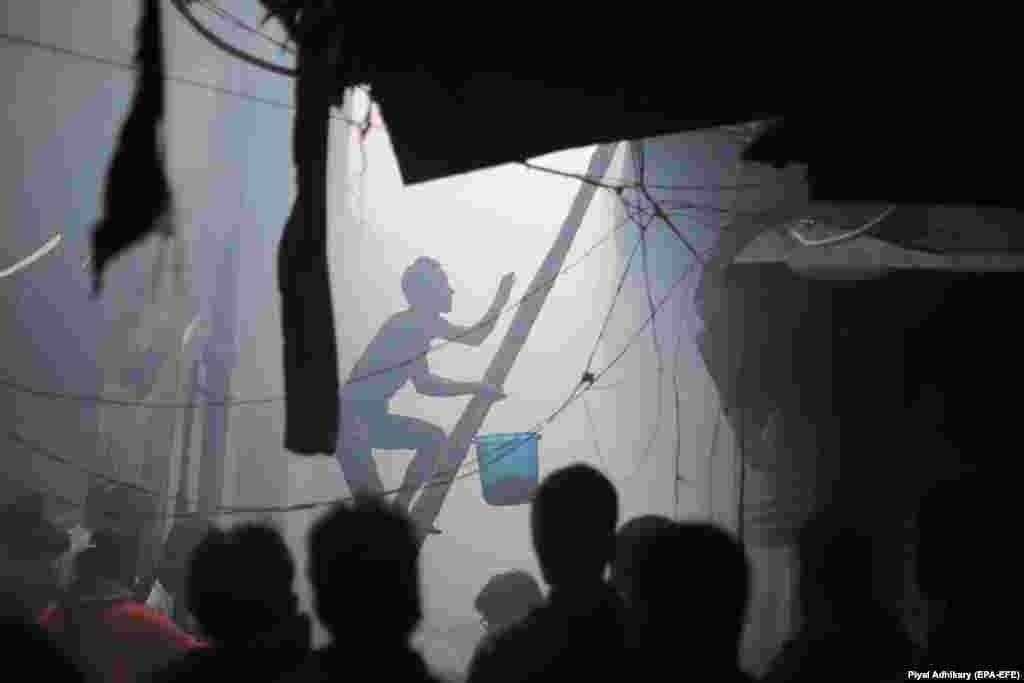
[(137, 199), (307, 313)]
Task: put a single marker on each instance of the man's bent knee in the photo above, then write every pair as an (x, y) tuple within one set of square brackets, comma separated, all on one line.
[(430, 438)]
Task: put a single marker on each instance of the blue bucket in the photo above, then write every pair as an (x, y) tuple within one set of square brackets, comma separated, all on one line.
[(508, 467)]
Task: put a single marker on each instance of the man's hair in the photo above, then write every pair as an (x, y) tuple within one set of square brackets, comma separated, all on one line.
[(508, 596), (708, 569), (240, 581), (364, 564), (633, 572), (573, 519), (419, 277)]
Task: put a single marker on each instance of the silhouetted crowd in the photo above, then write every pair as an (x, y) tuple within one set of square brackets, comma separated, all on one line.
[(653, 599)]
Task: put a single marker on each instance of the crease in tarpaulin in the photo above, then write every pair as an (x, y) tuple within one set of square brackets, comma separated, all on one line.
[(137, 199), (307, 312)]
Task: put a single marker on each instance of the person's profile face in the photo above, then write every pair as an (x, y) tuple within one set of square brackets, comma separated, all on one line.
[(441, 291)]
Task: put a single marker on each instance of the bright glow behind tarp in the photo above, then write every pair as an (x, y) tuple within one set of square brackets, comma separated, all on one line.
[(478, 226)]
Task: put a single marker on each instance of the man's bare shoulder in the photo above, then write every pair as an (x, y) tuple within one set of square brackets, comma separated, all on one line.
[(432, 325), (398, 325)]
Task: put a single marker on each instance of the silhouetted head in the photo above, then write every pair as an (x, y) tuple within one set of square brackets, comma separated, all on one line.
[(239, 582), (107, 558), (426, 286), (573, 518), (507, 598), (711, 582), (364, 568), (633, 575)]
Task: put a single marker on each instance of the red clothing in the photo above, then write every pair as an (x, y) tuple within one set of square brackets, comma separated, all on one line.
[(123, 639)]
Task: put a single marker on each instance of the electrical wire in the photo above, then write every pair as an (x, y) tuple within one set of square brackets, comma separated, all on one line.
[(647, 452), (24, 389), (641, 216), (502, 453), (593, 434), (129, 66)]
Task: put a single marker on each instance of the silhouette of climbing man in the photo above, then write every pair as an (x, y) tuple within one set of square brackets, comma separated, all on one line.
[(396, 355)]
